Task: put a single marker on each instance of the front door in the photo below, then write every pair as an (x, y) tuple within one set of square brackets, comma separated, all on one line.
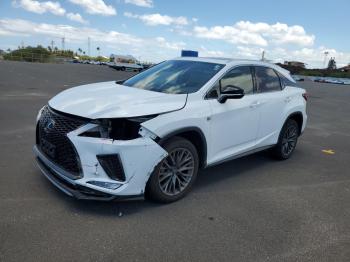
[(234, 124)]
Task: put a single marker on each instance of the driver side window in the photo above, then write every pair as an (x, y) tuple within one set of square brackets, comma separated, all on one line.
[(240, 77)]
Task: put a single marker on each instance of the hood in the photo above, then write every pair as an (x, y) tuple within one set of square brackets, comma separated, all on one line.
[(110, 100)]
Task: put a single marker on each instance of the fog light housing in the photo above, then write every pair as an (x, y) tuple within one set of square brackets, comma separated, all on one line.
[(112, 165), (107, 185)]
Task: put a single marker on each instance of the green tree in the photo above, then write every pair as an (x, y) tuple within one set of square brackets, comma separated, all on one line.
[(332, 65)]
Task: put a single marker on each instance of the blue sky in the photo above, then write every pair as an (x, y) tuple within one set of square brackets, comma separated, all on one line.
[(155, 30)]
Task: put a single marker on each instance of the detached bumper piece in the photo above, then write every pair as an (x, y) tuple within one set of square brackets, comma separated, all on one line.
[(58, 177)]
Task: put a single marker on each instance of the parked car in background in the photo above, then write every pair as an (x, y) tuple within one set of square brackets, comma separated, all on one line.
[(298, 78), (123, 63), (149, 135)]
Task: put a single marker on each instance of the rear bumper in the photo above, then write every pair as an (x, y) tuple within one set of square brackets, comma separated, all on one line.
[(61, 180)]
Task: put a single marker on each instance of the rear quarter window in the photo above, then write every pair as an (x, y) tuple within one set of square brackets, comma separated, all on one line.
[(285, 81)]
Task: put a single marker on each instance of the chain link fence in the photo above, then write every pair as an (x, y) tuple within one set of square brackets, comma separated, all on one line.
[(35, 57)]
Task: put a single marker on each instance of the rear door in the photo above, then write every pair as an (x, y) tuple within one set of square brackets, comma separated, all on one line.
[(272, 101)]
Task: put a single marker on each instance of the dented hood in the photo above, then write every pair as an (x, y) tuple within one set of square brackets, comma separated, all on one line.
[(110, 100)]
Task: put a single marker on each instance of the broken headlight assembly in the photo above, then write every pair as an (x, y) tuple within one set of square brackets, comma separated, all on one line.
[(117, 128)]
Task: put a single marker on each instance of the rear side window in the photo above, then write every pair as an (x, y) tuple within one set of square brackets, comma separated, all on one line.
[(267, 80)]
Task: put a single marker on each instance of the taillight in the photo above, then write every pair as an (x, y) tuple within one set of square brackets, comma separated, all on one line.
[(306, 96)]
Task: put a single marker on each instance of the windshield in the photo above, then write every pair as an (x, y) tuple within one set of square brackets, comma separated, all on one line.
[(175, 76)]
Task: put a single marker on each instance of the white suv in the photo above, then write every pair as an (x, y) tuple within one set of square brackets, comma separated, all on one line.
[(150, 134)]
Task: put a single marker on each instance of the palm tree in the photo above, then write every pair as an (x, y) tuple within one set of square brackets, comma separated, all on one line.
[(98, 50), (79, 50)]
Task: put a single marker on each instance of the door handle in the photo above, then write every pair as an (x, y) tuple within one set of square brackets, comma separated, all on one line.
[(254, 104)]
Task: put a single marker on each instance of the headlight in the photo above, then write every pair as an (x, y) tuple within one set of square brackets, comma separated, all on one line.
[(98, 131), (117, 128)]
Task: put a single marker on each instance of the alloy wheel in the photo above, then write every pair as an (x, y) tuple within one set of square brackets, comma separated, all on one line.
[(289, 140), (176, 171)]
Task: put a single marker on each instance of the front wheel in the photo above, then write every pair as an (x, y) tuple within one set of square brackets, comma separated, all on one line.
[(174, 176), (287, 140)]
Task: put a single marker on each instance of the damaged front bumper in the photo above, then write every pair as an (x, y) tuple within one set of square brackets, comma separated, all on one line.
[(138, 158)]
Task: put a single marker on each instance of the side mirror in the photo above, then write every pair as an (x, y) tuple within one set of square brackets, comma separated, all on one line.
[(230, 92)]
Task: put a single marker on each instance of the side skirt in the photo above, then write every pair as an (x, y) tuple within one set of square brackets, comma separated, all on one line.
[(240, 155)]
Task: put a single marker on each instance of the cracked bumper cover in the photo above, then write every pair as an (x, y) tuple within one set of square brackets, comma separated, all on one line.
[(138, 156)]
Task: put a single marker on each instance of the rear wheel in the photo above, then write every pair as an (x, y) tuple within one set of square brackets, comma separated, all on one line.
[(174, 176), (287, 141)]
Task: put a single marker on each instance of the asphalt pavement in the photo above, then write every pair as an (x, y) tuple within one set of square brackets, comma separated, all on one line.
[(249, 209)]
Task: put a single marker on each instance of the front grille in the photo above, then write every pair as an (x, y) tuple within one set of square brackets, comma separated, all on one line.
[(52, 130)]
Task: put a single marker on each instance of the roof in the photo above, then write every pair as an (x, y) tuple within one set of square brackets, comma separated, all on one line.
[(296, 62), (217, 60), (233, 62), (224, 60)]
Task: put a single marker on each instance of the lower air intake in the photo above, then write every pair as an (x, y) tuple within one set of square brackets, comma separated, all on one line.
[(112, 165)]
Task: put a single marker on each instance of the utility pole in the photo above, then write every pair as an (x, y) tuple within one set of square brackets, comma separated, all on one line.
[(89, 45), (263, 55), (52, 44), (63, 43)]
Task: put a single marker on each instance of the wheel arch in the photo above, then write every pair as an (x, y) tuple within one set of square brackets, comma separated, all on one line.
[(298, 117), (196, 136)]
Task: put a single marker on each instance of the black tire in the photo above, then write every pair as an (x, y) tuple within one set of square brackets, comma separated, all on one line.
[(154, 190), (287, 140)]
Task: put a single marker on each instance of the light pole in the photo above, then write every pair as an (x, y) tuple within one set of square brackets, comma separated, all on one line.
[(325, 58)]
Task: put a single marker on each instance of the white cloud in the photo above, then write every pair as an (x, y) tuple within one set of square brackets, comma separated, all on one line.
[(96, 7), (143, 3), (313, 57), (40, 7), (229, 34), (259, 34), (72, 34), (152, 49), (249, 52), (48, 6), (204, 52), (158, 19), (76, 18), (175, 45)]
